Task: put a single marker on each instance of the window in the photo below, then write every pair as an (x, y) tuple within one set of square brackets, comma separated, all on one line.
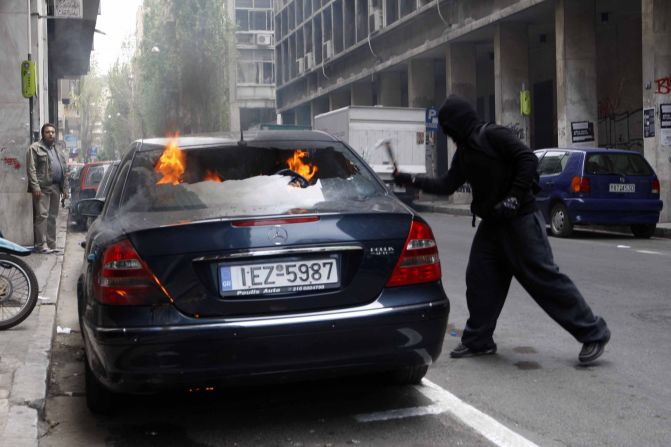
[(553, 163), (617, 164), (227, 181)]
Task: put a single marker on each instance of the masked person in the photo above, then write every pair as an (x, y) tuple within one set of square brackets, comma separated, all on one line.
[(511, 239), (46, 168)]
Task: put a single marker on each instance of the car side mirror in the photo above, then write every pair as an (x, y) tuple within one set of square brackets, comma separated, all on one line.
[(90, 207)]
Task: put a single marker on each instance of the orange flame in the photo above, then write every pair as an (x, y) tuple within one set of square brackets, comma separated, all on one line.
[(211, 176), (295, 163), (172, 164)]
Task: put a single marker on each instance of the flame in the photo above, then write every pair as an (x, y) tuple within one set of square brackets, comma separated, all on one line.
[(172, 163), (295, 163), (211, 176)]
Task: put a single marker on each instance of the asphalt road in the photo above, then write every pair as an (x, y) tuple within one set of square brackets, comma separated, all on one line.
[(533, 386)]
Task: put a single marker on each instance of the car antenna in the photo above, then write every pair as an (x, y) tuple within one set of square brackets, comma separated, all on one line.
[(242, 141)]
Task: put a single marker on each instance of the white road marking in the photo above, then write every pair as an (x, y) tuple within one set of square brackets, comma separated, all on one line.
[(446, 402), (623, 246), (649, 252)]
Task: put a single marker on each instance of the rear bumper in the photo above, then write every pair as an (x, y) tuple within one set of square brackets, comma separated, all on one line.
[(353, 341), (613, 211)]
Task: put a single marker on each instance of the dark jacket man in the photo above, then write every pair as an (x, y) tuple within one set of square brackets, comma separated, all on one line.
[(511, 240)]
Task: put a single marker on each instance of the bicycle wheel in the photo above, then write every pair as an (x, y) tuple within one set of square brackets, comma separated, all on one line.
[(18, 291)]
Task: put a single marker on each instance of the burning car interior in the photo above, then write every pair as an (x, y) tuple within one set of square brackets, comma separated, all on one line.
[(244, 180)]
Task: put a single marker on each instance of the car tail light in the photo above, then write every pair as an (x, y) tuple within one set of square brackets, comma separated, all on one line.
[(580, 184), (125, 279), (655, 186), (419, 260)]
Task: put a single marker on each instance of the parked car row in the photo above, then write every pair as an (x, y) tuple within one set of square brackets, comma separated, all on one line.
[(84, 183)]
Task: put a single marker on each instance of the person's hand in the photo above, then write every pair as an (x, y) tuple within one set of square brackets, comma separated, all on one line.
[(37, 194), (66, 196), (507, 207), (401, 178)]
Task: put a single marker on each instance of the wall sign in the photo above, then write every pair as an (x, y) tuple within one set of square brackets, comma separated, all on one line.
[(68, 8), (665, 124), (582, 131), (648, 123)]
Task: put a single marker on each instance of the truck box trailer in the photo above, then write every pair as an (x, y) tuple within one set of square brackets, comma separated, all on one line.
[(363, 127)]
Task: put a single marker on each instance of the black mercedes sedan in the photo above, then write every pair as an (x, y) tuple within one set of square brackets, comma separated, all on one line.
[(278, 257)]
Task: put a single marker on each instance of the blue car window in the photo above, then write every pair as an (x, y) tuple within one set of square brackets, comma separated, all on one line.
[(553, 163), (617, 163)]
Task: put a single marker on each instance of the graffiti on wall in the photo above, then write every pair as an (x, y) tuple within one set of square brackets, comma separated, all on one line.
[(663, 85), (517, 129), (621, 130)]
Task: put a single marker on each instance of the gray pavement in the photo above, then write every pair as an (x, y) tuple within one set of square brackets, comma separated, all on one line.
[(436, 204), (25, 352)]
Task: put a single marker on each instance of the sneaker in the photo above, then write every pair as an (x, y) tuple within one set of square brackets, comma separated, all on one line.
[(41, 250), (593, 350), (462, 351)]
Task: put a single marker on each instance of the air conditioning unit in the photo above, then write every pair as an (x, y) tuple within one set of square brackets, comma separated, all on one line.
[(328, 49), (301, 64), (309, 60), (264, 39), (375, 20)]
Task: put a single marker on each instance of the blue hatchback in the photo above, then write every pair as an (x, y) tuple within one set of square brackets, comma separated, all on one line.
[(597, 187)]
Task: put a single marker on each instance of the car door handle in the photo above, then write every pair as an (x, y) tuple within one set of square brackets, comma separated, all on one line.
[(549, 183)]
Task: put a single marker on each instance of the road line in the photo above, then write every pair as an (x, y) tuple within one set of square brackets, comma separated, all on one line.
[(486, 425), (446, 402), (649, 252)]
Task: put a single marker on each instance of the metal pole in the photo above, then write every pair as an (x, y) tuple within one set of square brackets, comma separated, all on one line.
[(30, 100)]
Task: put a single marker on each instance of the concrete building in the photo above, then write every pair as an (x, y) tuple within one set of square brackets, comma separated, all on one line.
[(60, 48), (597, 65), (252, 77)]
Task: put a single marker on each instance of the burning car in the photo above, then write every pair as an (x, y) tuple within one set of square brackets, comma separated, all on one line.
[(281, 257)]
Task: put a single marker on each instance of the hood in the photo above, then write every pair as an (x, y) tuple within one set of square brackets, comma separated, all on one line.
[(458, 118)]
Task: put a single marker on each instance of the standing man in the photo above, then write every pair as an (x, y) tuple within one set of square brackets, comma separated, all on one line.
[(46, 169), (511, 240)]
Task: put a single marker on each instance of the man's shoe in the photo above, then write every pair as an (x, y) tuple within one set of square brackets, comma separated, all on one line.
[(462, 351), (593, 350), (41, 250)]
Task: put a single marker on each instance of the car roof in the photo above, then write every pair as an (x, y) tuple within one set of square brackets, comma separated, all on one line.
[(588, 150), (249, 137)]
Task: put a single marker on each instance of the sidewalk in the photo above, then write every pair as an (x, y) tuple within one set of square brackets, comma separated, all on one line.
[(435, 204), (25, 351)]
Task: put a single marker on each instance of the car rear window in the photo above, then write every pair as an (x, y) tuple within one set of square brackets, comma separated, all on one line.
[(95, 175), (228, 181), (617, 164)]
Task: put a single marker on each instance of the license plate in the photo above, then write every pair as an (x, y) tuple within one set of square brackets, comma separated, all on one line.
[(278, 277), (622, 187)]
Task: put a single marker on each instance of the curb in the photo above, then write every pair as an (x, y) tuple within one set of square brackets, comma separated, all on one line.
[(28, 390)]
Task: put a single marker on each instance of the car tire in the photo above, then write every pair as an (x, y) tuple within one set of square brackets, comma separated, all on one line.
[(407, 376), (643, 231), (99, 399), (560, 224)]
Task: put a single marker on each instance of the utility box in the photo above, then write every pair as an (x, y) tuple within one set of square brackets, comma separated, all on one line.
[(363, 127)]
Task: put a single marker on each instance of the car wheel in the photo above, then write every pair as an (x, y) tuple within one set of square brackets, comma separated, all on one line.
[(99, 399), (560, 224), (643, 231), (407, 376)]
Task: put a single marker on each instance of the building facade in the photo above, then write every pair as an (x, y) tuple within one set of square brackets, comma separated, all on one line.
[(60, 35), (600, 65), (253, 75)]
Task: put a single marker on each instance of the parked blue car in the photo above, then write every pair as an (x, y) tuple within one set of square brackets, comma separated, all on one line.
[(597, 187)]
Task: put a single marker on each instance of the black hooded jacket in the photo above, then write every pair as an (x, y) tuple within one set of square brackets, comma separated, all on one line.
[(489, 157)]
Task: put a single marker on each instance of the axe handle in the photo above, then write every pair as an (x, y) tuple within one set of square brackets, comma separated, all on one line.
[(390, 153)]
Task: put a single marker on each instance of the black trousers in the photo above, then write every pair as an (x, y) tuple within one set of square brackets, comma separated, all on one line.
[(519, 247)]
